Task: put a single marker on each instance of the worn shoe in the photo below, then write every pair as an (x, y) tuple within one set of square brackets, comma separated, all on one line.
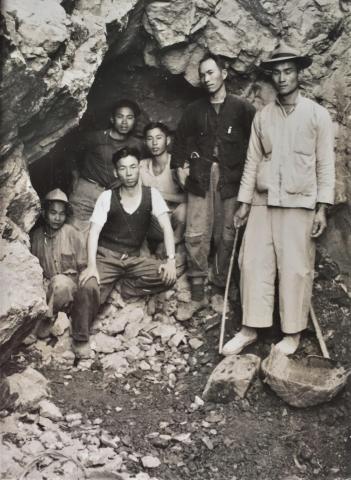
[(245, 337), (82, 349), (289, 344)]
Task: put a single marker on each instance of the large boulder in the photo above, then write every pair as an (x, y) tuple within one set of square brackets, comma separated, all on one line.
[(22, 297)]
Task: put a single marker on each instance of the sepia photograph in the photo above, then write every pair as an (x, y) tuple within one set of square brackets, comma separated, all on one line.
[(175, 252)]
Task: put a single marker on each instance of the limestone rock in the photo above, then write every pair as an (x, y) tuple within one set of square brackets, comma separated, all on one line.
[(115, 361), (31, 387), (164, 331), (100, 457), (150, 462), (49, 410), (232, 376), (103, 343), (22, 297), (118, 322), (62, 323)]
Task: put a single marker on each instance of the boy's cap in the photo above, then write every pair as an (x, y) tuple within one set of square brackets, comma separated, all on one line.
[(56, 195)]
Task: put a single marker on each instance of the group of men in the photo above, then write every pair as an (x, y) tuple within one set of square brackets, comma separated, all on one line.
[(273, 169)]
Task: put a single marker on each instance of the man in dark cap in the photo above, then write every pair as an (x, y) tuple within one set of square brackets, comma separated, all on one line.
[(95, 171), (287, 184), (62, 255)]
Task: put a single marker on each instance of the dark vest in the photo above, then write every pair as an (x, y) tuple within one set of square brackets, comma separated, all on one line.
[(124, 232)]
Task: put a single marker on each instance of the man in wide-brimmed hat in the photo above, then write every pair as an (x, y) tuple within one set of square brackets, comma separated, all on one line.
[(62, 255), (287, 183)]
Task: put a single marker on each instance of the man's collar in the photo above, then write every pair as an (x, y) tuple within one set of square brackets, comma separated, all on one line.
[(297, 100)]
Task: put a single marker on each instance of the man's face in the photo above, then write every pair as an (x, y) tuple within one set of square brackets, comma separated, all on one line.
[(285, 77), (127, 170), (123, 120), (211, 76), (55, 215), (156, 141)]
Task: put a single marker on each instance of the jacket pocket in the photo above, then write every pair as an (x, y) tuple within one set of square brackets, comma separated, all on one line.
[(304, 143), (263, 176), (300, 176)]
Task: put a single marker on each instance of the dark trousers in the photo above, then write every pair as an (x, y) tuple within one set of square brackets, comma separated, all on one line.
[(63, 294), (207, 218), (139, 276)]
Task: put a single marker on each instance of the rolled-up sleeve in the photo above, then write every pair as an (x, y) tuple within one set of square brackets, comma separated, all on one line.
[(325, 158), (254, 156), (102, 207)]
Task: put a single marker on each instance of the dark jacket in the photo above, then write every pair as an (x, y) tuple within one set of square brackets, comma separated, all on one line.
[(94, 152), (200, 129)]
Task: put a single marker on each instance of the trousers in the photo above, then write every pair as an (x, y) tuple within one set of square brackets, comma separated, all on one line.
[(207, 218), (64, 294), (82, 201), (277, 241), (139, 276)]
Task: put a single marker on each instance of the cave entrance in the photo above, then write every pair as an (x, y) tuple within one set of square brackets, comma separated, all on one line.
[(161, 96)]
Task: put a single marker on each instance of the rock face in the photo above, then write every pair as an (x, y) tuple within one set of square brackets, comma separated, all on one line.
[(50, 58), (149, 51), (22, 298)]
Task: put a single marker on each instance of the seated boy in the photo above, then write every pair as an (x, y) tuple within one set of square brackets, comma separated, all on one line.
[(62, 256), (156, 172)]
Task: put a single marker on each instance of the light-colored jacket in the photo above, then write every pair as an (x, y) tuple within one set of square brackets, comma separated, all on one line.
[(290, 159)]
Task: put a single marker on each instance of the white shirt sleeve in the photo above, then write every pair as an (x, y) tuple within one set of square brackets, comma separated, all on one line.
[(159, 206), (101, 209)]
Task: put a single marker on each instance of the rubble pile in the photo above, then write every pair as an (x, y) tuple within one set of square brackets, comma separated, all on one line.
[(140, 334), (41, 443)]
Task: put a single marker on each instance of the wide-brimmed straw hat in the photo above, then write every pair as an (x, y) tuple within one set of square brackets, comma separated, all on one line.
[(285, 53), (56, 195)]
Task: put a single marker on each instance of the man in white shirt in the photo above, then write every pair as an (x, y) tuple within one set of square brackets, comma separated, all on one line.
[(118, 227), (156, 172)]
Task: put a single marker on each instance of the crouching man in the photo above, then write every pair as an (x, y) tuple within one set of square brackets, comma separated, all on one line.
[(62, 256), (119, 224)]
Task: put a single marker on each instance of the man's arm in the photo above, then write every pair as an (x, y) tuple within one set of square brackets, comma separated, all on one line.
[(248, 179), (91, 270), (325, 171), (174, 197), (97, 221), (168, 269)]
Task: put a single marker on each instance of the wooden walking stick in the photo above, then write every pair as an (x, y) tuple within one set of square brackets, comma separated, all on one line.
[(319, 333), (231, 263)]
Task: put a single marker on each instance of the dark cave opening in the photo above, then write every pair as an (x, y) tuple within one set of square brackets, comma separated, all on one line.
[(161, 96)]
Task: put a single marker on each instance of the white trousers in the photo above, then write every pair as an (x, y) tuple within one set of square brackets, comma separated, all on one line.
[(277, 240)]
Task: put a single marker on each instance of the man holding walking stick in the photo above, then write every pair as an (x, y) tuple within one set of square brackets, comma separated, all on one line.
[(287, 184)]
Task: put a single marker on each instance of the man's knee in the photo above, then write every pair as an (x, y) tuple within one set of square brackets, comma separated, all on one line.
[(61, 284)]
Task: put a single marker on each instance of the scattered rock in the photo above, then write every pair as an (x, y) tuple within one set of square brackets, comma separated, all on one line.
[(232, 376), (195, 343), (103, 343), (31, 387), (62, 323), (150, 462), (49, 410), (115, 361), (217, 303)]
